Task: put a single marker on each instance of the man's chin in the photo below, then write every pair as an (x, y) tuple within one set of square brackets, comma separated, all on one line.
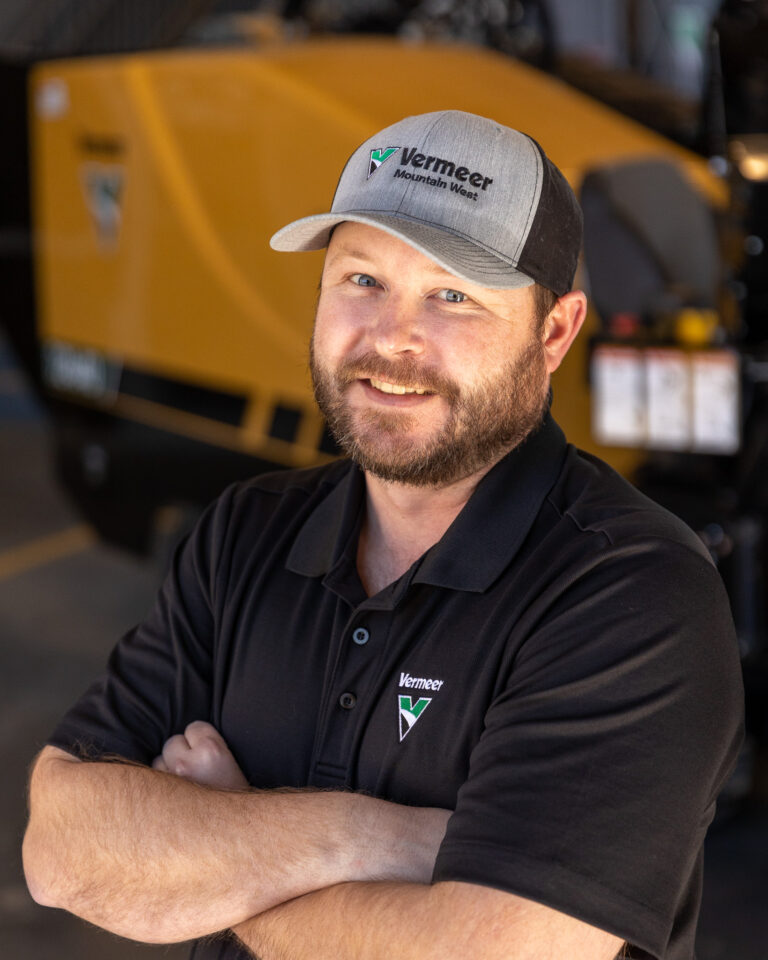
[(411, 464)]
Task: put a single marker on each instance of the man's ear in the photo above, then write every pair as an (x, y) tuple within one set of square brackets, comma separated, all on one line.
[(561, 326)]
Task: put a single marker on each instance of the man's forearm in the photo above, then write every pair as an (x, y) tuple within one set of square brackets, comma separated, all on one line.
[(447, 921), (154, 857), (344, 922)]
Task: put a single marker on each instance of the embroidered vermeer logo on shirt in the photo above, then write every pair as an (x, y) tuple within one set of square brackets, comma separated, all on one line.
[(378, 157), (410, 713)]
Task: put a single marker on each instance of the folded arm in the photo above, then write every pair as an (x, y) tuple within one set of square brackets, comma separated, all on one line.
[(447, 921), (161, 858), (375, 921)]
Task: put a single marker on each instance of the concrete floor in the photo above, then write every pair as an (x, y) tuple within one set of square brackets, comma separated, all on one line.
[(64, 599)]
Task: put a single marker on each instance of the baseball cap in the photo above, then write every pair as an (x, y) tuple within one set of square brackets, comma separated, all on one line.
[(478, 198)]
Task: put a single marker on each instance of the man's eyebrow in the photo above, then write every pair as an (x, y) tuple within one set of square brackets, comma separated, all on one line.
[(361, 255), (350, 252)]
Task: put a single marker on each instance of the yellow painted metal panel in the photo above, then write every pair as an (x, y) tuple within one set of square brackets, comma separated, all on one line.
[(159, 178)]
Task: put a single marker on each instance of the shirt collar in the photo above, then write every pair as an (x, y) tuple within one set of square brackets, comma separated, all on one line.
[(480, 542), (489, 531), (326, 533)]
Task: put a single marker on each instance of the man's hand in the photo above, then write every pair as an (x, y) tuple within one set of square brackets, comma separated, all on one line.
[(201, 755)]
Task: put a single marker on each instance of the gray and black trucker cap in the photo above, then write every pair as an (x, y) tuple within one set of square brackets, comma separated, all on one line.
[(480, 199)]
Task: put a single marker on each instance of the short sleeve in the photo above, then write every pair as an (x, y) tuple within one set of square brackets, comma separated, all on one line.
[(158, 677), (603, 753)]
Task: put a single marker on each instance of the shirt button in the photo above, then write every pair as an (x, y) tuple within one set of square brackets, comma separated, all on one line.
[(361, 636), (347, 700)]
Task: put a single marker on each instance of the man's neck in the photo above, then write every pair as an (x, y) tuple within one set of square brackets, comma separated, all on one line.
[(402, 522)]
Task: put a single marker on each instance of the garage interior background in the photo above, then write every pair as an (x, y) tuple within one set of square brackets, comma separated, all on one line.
[(110, 440)]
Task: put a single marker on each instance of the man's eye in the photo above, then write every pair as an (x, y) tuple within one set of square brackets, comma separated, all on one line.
[(452, 296), (363, 280)]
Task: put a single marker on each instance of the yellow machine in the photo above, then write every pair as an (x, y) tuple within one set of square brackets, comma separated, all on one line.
[(157, 180)]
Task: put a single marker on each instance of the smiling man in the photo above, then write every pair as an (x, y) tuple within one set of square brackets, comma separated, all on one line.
[(502, 686), (471, 362)]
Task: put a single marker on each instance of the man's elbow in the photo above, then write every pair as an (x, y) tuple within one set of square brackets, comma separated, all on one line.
[(39, 870), (41, 847), (53, 883)]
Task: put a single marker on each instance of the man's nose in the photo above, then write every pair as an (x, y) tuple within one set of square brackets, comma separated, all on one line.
[(398, 329)]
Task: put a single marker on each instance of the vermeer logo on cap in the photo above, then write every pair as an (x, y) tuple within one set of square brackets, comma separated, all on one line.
[(378, 157)]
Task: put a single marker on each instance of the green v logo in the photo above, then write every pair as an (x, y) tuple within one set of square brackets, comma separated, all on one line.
[(378, 157), (410, 712)]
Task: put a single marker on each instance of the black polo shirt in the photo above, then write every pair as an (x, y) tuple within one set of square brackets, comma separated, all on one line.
[(560, 669)]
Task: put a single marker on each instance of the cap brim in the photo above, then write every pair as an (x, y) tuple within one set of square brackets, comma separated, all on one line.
[(459, 256)]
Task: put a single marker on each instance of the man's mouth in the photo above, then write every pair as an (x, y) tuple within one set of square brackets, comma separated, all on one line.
[(397, 388)]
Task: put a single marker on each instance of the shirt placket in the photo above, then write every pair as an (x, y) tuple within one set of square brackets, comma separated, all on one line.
[(348, 699)]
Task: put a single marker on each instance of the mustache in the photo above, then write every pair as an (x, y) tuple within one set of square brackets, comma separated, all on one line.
[(405, 372)]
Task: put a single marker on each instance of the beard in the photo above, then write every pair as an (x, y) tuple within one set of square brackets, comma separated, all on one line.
[(484, 422)]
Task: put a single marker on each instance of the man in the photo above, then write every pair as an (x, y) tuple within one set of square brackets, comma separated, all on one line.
[(501, 685)]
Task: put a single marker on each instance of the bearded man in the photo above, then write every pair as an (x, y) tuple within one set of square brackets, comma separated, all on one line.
[(501, 686)]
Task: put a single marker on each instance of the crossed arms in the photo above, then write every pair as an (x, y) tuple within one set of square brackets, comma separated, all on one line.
[(187, 849)]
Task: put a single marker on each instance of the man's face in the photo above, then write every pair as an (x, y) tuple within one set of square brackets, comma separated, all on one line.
[(424, 379)]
